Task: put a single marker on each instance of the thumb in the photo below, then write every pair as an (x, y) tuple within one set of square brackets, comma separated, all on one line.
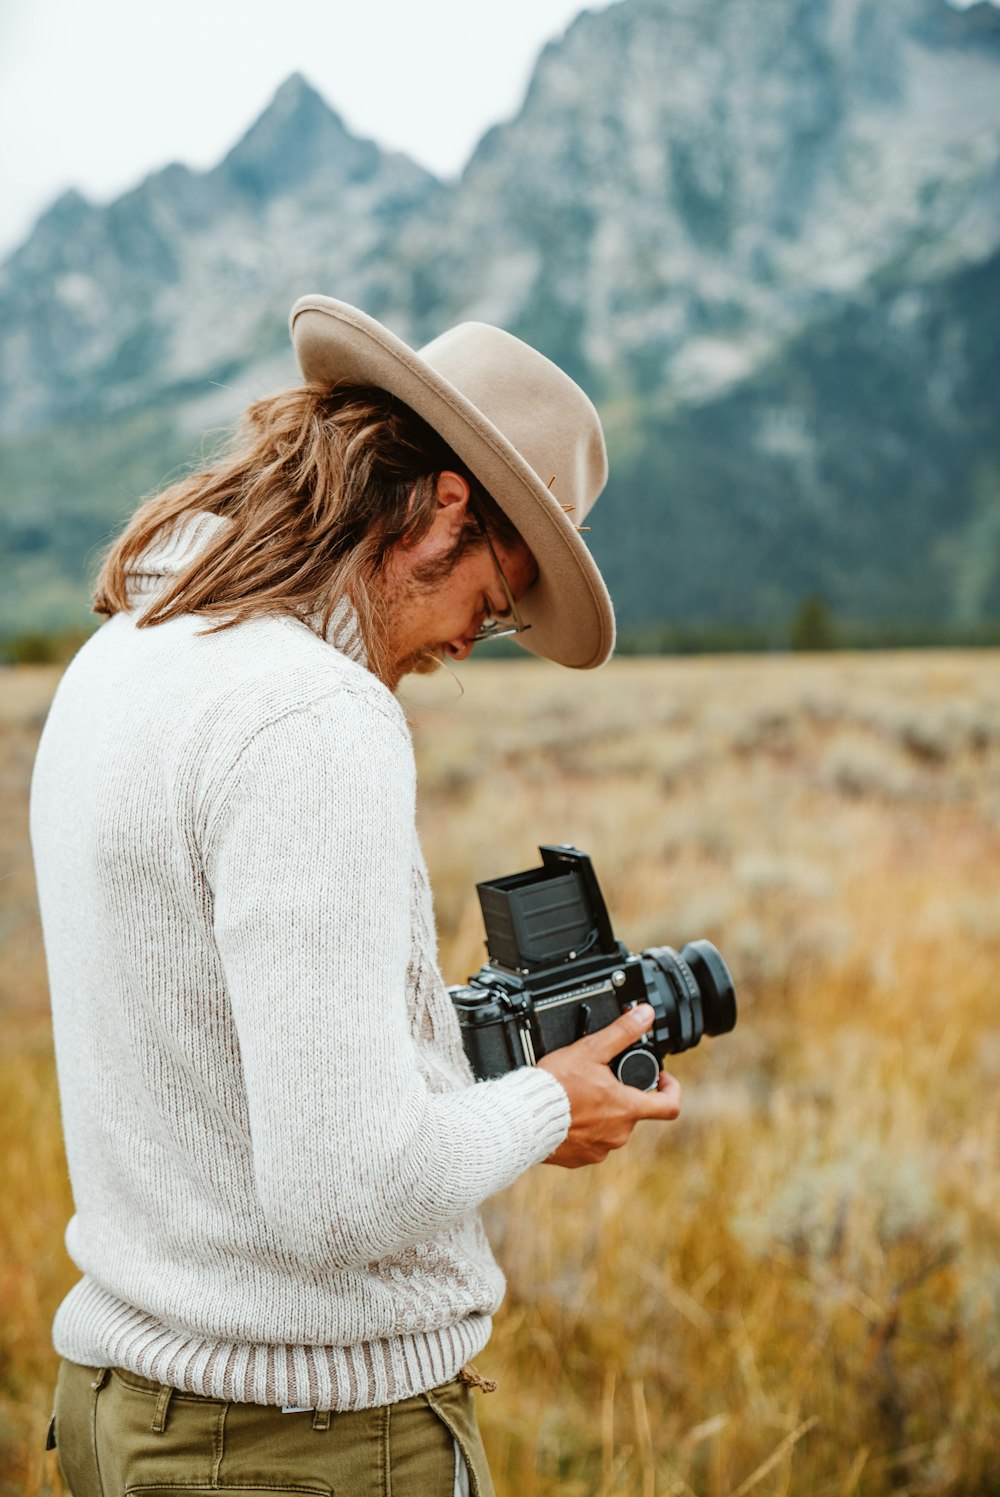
[(613, 1038)]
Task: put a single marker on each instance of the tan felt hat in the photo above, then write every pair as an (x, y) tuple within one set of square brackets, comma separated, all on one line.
[(522, 426)]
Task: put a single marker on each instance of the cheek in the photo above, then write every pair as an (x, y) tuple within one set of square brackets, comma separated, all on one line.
[(461, 610), (466, 595)]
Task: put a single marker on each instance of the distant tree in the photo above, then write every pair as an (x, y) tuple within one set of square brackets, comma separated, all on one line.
[(39, 648), (812, 625)]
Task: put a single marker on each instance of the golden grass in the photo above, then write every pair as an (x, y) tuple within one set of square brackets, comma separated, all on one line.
[(796, 1288)]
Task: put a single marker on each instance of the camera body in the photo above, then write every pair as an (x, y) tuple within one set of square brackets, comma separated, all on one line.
[(556, 973)]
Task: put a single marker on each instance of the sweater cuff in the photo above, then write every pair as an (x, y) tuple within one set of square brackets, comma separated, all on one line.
[(535, 1111)]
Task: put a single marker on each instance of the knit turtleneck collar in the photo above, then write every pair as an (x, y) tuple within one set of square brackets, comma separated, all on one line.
[(173, 551)]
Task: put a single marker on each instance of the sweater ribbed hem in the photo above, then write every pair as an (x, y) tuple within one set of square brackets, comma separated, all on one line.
[(95, 1329)]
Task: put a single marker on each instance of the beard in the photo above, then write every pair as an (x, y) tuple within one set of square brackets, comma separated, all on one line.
[(397, 595), (421, 663), (394, 597)]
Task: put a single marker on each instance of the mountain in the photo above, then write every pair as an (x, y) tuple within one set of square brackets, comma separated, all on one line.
[(765, 234), (689, 184), (106, 308)]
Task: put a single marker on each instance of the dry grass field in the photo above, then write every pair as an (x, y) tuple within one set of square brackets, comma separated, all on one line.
[(795, 1289)]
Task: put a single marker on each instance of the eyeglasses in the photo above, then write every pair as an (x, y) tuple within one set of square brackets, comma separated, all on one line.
[(510, 623)]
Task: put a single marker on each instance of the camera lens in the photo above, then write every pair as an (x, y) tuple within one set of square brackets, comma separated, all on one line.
[(693, 996), (718, 996)]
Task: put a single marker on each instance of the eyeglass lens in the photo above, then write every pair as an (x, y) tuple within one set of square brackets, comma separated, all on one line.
[(496, 628)]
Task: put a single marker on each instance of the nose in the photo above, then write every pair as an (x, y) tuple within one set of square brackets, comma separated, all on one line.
[(460, 649)]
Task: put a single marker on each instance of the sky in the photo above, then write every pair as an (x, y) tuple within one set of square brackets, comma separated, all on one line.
[(96, 93)]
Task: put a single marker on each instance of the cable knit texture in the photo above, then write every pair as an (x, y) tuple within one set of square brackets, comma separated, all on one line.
[(276, 1147)]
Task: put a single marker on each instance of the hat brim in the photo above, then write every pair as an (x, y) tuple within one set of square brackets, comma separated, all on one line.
[(568, 606)]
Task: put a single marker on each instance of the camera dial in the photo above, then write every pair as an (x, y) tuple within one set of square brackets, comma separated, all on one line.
[(639, 1068)]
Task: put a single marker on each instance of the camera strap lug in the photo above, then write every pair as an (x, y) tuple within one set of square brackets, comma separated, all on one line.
[(520, 1005)]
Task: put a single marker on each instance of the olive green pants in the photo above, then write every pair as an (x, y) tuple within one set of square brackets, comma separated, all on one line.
[(118, 1435)]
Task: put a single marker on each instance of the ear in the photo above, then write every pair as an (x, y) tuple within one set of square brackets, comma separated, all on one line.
[(452, 488), (453, 501)]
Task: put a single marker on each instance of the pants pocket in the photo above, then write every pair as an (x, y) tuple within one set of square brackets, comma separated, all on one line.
[(75, 1416), (454, 1405), (228, 1491)]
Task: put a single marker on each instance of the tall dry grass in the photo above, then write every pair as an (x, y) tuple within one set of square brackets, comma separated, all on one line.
[(795, 1288)]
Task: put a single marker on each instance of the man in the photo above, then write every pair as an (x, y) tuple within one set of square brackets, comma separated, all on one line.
[(276, 1149)]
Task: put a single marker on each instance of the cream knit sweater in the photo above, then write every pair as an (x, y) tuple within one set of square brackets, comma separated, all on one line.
[(275, 1145)]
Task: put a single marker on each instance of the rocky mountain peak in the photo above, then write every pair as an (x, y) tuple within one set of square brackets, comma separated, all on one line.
[(297, 136), (64, 220)]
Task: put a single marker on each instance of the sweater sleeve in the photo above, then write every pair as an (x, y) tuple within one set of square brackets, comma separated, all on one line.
[(311, 862)]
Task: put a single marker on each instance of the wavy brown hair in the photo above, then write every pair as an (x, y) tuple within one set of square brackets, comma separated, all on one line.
[(320, 484)]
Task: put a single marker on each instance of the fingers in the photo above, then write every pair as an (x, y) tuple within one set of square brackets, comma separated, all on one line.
[(665, 1102), (614, 1038), (603, 1112)]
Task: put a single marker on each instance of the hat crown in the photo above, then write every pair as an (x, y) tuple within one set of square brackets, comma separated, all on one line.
[(538, 408)]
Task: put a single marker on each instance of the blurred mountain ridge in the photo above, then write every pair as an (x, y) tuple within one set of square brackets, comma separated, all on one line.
[(764, 235)]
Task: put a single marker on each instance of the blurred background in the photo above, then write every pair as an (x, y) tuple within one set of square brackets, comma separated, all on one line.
[(765, 236)]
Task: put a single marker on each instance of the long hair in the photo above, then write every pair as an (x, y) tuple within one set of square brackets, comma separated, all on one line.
[(319, 483)]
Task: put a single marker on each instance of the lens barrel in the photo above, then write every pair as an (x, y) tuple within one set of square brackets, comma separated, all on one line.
[(694, 994)]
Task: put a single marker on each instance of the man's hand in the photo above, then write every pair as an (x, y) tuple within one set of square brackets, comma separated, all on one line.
[(603, 1112)]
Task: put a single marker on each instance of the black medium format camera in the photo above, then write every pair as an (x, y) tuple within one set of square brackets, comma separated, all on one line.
[(556, 972)]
